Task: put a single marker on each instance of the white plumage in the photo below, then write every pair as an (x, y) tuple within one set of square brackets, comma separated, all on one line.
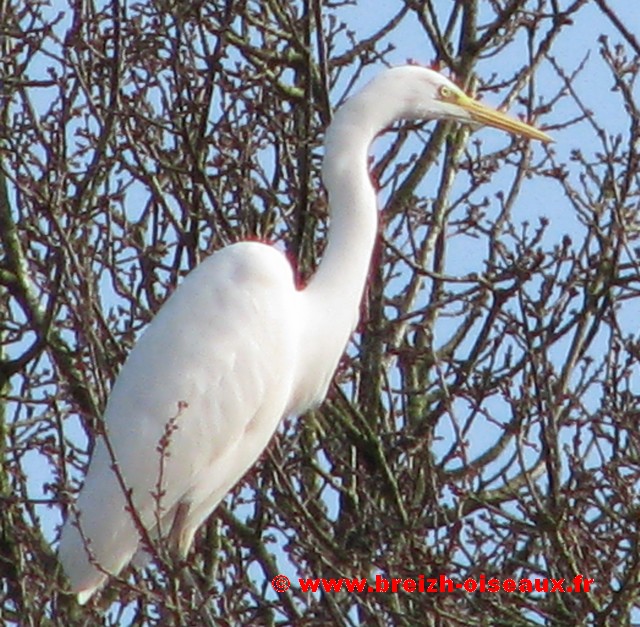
[(237, 347)]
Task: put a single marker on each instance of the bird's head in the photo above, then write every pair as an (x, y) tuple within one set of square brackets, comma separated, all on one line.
[(415, 92)]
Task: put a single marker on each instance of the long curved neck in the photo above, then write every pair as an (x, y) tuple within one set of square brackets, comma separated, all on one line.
[(342, 273), (332, 298)]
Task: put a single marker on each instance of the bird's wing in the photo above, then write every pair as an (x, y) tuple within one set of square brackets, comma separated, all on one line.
[(195, 403)]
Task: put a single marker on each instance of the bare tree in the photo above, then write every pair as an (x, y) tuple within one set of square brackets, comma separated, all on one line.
[(484, 420)]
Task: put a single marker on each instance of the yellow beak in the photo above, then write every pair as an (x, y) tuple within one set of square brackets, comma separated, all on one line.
[(492, 117)]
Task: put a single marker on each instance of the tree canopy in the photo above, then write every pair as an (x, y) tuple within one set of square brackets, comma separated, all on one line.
[(484, 420)]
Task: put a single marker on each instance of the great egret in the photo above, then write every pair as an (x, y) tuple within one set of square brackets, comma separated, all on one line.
[(237, 347)]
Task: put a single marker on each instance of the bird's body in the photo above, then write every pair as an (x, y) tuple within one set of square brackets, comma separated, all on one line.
[(230, 334), (237, 347)]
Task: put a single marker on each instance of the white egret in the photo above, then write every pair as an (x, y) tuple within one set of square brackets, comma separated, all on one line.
[(237, 347)]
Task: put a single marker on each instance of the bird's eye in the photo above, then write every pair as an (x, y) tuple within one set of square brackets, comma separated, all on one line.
[(446, 93)]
